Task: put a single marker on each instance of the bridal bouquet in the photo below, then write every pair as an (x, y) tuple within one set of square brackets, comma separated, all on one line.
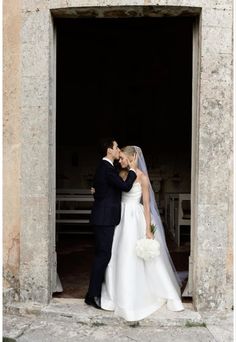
[(147, 249)]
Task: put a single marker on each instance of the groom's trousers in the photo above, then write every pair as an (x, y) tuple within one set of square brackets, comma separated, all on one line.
[(103, 246)]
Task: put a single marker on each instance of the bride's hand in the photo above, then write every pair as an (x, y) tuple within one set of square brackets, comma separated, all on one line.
[(149, 235)]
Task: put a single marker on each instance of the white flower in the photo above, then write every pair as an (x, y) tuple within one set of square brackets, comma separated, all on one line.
[(147, 249)]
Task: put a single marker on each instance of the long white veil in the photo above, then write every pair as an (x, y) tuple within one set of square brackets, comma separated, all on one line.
[(156, 219)]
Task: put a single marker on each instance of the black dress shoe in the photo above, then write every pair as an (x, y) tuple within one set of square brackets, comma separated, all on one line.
[(93, 301)]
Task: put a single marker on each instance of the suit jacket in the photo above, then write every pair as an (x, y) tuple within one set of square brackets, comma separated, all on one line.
[(108, 186)]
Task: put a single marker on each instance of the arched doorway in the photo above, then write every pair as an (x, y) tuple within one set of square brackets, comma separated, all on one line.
[(130, 78)]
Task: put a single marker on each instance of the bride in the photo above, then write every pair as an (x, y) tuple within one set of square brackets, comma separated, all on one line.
[(134, 288)]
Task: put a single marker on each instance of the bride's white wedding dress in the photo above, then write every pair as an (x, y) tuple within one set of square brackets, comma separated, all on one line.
[(134, 288)]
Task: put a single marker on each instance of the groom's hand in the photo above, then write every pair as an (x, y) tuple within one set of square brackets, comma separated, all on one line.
[(133, 162)]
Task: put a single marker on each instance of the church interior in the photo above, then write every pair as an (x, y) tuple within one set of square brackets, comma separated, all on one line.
[(130, 79)]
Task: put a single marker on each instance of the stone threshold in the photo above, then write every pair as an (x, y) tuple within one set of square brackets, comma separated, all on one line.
[(77, 311)]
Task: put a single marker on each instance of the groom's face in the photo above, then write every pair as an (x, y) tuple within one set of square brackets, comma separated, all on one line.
[(115, 151)]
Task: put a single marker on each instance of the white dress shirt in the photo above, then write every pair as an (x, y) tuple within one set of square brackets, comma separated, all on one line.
[(109, 161)]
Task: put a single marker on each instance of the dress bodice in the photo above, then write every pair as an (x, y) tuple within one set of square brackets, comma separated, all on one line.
[(134, 195)]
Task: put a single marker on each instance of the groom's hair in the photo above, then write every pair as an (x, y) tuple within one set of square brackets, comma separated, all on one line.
[(106, 143)]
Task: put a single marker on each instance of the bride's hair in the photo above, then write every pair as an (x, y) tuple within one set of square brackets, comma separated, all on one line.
[(129, 150)]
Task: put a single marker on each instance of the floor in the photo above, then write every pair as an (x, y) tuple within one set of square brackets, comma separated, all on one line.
[(75, 254), (70, 320)]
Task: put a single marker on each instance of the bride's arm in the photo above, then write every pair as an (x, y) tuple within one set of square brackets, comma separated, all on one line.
[(146, 205)]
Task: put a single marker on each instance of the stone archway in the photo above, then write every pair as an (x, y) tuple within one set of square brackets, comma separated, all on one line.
[(210, 249)]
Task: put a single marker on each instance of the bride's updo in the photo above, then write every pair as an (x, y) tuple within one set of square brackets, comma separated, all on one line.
[(129, 150)]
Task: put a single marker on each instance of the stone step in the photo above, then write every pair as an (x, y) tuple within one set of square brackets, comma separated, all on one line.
[(77, 311)]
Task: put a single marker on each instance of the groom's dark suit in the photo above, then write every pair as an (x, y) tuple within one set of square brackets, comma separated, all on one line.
[(105, 216)]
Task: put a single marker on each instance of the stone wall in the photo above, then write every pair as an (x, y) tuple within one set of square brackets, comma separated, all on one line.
[(11, 145), (214, 193), (213, 176)]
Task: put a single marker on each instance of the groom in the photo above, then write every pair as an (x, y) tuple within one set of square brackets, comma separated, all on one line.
[(105, 214)]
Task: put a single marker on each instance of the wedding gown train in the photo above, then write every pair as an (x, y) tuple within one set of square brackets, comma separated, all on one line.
[(133, 288)]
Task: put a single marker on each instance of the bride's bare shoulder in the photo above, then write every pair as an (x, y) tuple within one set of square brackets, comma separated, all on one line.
[(142, 177)]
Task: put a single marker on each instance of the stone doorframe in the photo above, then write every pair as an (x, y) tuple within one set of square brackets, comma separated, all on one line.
[(210, 198)]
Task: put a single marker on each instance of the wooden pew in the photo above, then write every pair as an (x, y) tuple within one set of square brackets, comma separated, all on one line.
[(73, 208)]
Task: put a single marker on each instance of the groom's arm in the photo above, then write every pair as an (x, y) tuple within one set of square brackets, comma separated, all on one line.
[(124, 185)]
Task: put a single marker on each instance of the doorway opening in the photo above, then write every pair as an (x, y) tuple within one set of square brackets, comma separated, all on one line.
[(131, 79)]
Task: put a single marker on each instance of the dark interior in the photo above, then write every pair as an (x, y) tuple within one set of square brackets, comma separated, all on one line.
[(131, 79)]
